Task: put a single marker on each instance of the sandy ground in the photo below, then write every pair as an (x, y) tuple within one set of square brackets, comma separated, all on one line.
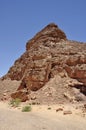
[(42, 117)]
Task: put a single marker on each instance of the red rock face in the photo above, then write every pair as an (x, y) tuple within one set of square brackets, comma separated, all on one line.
[(20, 95), (48, 54), (49, 33), (76, 68)]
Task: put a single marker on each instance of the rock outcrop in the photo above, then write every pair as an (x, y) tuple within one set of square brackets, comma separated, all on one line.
[(47, 54)]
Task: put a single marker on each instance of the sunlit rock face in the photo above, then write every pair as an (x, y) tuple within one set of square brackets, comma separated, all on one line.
[(47, 54)]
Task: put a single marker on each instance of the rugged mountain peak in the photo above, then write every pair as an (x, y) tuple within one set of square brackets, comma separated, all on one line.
[(47, 54), (50, 33)]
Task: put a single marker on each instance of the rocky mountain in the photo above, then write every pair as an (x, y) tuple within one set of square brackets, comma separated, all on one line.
[(48, 54)]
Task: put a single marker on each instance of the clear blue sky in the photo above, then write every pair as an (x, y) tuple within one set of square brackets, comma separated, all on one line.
[(20, 20)]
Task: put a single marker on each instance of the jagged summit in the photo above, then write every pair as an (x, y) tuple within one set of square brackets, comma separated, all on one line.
[(50, 33)]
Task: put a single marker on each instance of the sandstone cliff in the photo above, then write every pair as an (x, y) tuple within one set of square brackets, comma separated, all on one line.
[(47, 54)]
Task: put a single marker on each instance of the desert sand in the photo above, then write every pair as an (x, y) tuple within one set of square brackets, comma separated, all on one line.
[(42, 117)]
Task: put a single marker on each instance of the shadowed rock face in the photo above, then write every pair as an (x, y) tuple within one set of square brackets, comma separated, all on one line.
[(47, 54), (81, 87)]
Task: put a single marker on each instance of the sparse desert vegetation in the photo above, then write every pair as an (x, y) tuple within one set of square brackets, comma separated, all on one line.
[(27, 108), (15, 102)]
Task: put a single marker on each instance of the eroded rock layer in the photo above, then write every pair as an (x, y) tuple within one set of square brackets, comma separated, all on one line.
[(47, 54)]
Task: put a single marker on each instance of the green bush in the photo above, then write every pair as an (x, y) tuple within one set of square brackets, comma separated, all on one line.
[(26, 109), (15, 102), (49, 108)]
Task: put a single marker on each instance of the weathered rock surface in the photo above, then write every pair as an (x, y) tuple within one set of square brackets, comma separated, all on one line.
[(58, 90), (7, 87), (20, 95), (48, 54)]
